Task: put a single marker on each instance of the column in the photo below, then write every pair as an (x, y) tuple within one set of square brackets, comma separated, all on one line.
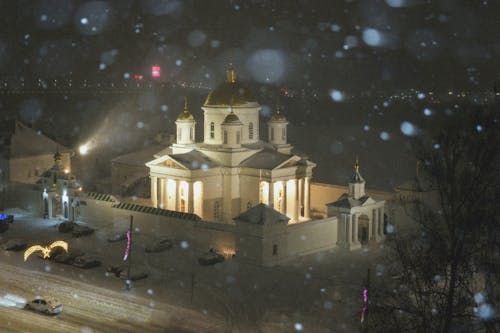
[(375, 225), (382, 220), (307, 197), (349, 230), (163, 185), (177, 195), (300, 205), (154, 191), (355, 221), (283, 198), (190, 198), (271, 194), (291, 199)]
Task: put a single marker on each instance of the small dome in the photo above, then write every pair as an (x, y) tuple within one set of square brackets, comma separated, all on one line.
[(232, 119), (230, 92), (278, 116), (185, 115)]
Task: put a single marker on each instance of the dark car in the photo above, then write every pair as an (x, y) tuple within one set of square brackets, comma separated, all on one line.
[(86, 262), (210, 258), (159, 246), (115, 269), (117, 237), (15, 245), (46, 305), (82, 230), (66, 226), (6, 218), (69, 257), (134, 276), (4, 226)]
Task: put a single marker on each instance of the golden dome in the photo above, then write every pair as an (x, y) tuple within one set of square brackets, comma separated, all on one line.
[(231, 119), (278, 116), (230, 92), (185, 115)]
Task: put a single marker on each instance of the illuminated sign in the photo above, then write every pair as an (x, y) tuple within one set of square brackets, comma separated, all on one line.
[(155, 71), (364, 311), (45, 249)]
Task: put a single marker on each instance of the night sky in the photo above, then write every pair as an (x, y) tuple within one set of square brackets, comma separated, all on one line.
[(340, 67)]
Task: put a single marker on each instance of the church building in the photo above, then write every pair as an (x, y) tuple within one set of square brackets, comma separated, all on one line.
[(232, 169)]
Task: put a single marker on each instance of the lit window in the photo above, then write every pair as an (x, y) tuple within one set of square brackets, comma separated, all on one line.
[(212, 130), (250, 131)]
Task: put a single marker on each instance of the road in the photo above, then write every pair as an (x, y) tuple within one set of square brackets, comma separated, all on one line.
[(89, 309)]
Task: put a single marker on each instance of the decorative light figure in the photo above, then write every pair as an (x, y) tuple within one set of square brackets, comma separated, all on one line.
[(364, 311), (127, 249), (46, 250)]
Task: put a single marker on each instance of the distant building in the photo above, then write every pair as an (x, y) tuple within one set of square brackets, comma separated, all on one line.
[(26, 153)]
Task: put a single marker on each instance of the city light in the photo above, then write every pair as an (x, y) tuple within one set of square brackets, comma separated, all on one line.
[(45, 249), (155, 71), (84, 149)]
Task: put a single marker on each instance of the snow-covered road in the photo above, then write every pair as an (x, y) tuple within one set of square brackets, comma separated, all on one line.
[(91, 309)]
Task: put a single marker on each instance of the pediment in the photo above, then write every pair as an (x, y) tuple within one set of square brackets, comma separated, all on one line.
[(166, 162)]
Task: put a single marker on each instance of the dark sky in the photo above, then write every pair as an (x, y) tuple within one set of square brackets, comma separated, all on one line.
[(320, 50)]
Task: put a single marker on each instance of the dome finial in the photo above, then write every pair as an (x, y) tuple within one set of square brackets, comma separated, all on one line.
[(231, 74), (356, 165), (278, 104), (185, 104)]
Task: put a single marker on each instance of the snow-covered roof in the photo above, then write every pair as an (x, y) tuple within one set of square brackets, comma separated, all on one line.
[(138, 158), (265, 159), (21, 141), (262, 214), (195, 160), (346, 201), (156, 211)]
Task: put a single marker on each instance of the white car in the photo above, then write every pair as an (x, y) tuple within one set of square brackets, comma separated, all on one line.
[(45, 305)]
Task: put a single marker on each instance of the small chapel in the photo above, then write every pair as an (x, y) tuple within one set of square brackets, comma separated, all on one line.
[(232, 169)]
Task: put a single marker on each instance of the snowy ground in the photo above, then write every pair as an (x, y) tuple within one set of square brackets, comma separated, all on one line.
[(316, 293)]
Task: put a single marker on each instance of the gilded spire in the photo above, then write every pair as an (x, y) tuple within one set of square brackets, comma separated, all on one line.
[(278, 116), (185, 115), (356, 165), (231, 74), (185, 104)]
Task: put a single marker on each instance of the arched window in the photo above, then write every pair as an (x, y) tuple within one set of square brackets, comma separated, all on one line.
[(238, 137), (212, 130), (225, 137), (283, 134), (272, 133), (250, 131), (191, 134)]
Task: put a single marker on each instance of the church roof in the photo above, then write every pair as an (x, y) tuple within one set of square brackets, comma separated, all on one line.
[(195, 160), (230, 92), (265, 159), (262, 214), (19, 140), (346, 201), (138, 158)]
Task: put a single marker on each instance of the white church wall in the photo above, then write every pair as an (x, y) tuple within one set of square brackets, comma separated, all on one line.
[(311, 237), (321, 194)]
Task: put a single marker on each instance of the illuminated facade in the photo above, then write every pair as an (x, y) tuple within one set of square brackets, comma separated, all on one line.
[(232, 169)]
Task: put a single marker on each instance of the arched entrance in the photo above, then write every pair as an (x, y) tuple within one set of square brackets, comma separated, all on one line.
[(363, 235)]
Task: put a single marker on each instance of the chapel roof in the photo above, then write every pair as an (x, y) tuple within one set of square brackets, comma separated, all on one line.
[(262, 214)]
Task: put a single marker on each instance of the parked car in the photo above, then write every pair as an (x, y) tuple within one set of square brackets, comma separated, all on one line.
[(47, 305), (117, 237), (86, 262), (115, 269), (15, 245), (210, 258), (159, 246), (134, 276), (66, 226), (82, 230), (11, 300), (6, 218), (69, 257), (4, 226)]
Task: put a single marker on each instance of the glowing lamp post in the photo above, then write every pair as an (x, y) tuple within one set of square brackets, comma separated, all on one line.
[(155, 71)]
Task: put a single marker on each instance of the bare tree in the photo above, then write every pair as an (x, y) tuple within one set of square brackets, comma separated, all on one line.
[(443, 277)]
